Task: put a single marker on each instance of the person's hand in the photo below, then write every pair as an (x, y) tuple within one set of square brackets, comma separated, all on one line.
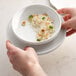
[(24, 61), (70, 20)]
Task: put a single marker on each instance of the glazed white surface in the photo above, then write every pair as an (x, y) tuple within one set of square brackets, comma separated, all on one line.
[(27, 35), (61, 62)]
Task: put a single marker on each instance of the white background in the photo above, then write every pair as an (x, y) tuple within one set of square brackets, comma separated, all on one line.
[(61, 62)]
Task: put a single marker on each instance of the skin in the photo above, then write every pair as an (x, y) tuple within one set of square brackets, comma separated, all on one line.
[(70, 20), (26, 61)]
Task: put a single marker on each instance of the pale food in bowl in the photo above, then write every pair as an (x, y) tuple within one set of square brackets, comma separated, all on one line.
[(36, 24)]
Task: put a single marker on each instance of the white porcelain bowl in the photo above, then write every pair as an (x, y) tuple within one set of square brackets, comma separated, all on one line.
[(27, 35)]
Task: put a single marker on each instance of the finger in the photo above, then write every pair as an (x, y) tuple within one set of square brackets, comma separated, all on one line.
[(67, 29), (32, 51), (11, 48), (29, 49), (25, 48), (15, 67), (7, 44), (67, 17), (70, 32), (68, 24), (10, 58), (8, 53), (64, 11)]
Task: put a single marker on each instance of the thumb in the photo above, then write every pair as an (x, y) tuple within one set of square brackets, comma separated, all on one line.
[(12, 49)]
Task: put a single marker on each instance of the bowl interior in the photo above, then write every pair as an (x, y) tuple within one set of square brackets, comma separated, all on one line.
[(26, 33)]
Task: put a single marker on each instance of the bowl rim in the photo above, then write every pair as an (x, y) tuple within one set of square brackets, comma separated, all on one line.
[(44, 41)]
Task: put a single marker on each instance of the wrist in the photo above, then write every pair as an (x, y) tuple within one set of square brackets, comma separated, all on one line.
[(35, 70)]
